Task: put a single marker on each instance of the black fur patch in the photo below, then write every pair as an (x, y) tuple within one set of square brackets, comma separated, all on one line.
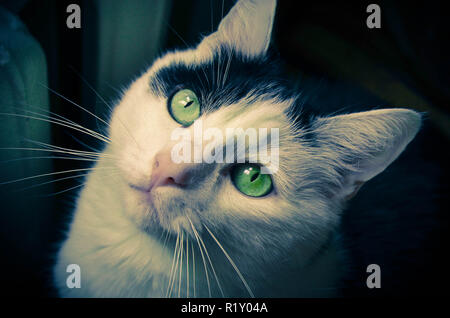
[(259, 77)]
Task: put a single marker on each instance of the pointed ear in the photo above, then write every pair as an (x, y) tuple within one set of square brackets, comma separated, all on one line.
[(362, 145), (246, 28)]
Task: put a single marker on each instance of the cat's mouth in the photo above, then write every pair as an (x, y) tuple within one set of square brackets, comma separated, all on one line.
[(158, 205), (148, 191), (144, 193)]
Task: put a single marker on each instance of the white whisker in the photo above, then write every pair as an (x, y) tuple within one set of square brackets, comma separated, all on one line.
[(210, 262), (203, 257), (84, 144), (231, 262), (48, 157), (61, 123), (75, 104), (187, 266), (227, 69), (63, 191), (176, 266), (55, 173), (69, 152), (107, 104), (62, 120), (193, 270), (173, 266), (53, 181), (181, 264), (49, 146)]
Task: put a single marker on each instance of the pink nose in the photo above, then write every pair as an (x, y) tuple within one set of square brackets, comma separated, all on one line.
[(166, 172)]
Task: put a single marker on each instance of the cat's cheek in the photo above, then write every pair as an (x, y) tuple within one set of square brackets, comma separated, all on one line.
[(137, 207)]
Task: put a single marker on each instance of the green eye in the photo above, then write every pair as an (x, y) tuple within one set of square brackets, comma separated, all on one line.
[(184, 107), (248, 179)]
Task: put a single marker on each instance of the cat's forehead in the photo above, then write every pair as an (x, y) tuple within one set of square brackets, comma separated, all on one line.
[(219, 77), (253, 114)]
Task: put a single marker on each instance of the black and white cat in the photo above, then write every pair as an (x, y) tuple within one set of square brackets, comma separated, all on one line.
[(157, 228)]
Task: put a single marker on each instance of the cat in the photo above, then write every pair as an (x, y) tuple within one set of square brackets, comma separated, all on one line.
[(145, 226)]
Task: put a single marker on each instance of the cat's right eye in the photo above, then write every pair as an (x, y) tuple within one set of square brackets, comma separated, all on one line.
[(248, 179), (184, 107)]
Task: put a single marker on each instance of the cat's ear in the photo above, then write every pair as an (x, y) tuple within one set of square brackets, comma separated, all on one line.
[(246, 28), (361, 145)]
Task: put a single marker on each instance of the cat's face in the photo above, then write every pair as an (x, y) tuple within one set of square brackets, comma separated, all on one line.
[(235, 85), (141, 132)]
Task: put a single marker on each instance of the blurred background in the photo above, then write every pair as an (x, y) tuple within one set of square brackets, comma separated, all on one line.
[(47, 68)]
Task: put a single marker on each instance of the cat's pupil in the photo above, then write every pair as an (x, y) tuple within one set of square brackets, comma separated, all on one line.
[(254, 177), (188, 104)]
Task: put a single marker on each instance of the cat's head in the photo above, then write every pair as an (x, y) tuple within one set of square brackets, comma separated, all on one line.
[(230, 81)]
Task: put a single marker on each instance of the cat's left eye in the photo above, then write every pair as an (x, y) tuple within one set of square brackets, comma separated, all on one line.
[(248, 179), (184, 107)]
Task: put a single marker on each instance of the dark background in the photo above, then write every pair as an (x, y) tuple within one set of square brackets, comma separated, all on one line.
[(403, 64)]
